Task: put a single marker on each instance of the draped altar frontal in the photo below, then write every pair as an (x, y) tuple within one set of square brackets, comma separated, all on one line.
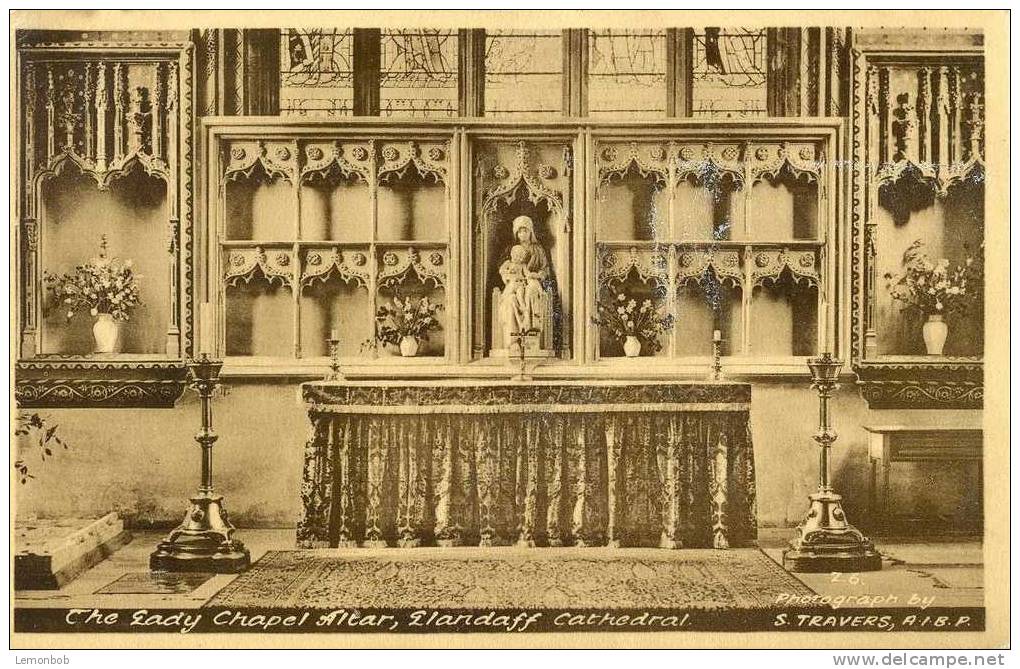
[(544, 463)]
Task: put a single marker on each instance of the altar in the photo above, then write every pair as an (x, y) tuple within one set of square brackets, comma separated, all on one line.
[(544, 463)]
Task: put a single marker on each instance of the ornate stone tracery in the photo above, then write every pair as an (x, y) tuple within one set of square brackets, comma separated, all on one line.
[(428, 265), (246, 264), (273, 159), (771, 264), (429, 160), (723, 264), (349, 265), (504, 180), (346, 159)]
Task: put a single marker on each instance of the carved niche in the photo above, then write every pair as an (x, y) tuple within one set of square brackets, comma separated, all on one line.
[(517, 177), (116, 115), (918, 174)]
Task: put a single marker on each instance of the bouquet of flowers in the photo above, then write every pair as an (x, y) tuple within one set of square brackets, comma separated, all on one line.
[(406, 317), (102, 285), (931, 287), (624, 317)]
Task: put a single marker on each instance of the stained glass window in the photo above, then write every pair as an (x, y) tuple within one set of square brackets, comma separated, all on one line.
[(729, 72), (418, 76), (523, 72), (316, 72), (627, 73)]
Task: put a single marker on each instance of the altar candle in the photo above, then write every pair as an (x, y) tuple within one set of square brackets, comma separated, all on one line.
[(334, 334), (830, 339), (716, 335), (207, 325)]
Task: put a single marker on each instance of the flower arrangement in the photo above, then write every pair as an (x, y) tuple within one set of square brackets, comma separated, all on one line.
[(102, 285), (931, 287), (406, 317), (624, 317)]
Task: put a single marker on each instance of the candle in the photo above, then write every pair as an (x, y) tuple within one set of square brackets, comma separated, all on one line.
[(334, 334), (207, 327), (716, 335)]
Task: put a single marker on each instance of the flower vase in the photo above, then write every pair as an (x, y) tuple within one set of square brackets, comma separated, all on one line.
[(632, 346), (934, 331), (408, 346), (106, 332)]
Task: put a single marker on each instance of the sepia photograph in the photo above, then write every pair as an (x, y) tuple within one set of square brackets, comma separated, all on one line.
[(497, 328)]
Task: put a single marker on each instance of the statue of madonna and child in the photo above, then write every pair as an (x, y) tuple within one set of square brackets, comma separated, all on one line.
[(524, 302)]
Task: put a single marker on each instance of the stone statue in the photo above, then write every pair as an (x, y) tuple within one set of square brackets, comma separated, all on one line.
[(524, 303)]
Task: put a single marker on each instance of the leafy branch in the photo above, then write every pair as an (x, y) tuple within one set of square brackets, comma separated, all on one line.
[(33, 431)]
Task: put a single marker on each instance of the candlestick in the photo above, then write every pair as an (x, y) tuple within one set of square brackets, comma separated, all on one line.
[(716, 373), (826, 541), (334, 356), (204, 541)]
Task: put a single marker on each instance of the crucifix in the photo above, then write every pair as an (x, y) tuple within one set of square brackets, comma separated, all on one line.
[(519, 338)]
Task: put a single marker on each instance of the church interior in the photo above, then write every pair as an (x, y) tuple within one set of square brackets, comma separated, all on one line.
[(375, 292)]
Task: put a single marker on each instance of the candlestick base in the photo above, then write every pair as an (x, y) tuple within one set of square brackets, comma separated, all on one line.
[(203, 542), (826, 542)]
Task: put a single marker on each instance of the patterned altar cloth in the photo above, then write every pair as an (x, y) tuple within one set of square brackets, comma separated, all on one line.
[(539, 464)]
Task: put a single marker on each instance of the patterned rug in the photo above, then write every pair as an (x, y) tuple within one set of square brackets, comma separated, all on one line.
[(545, 578)]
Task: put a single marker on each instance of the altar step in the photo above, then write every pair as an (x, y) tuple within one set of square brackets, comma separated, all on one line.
[(52, 553)]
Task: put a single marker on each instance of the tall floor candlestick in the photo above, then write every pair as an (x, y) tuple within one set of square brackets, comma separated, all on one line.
[(203, 542), (826, 541)]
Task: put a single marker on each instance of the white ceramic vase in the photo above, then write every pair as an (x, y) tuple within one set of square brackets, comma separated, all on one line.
[(106, 332), (632, 346), (934, 331), (408, 346)]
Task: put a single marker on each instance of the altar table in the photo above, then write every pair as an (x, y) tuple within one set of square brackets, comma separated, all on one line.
[(542, 463)]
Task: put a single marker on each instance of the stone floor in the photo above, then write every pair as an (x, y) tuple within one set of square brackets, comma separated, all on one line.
[(943, 572)]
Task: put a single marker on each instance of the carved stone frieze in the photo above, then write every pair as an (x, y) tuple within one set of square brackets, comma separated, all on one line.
[(648, 159), (71, 393), (508, 168), (947, 384), (769, 160), (650, 264), (350, 160), (922, 395), (267, 263), (349, 264), (67, 383), (694, 264), (710, 163), (430, 160), (769, 265), (427, 264), (277, 159)]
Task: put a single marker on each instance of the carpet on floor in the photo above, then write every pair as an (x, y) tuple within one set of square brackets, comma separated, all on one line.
[(703, 579)]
